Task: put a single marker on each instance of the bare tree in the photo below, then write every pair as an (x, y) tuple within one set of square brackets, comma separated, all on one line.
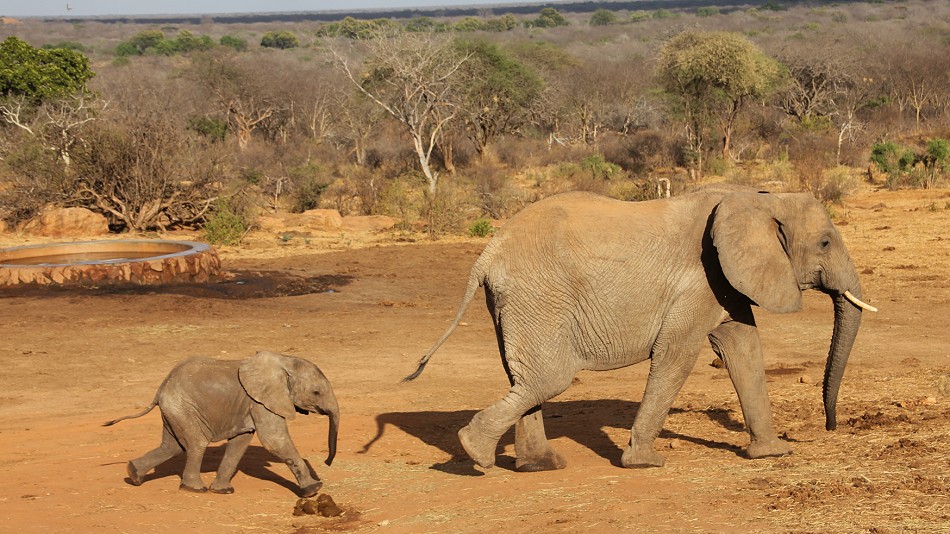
[(604, 93), (914, 80), (144, 173), (816, 76), (246, 95), (413, 78), (56, 123), (827, 85)]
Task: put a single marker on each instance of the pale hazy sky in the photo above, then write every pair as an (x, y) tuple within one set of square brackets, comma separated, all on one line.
[(87, 8)]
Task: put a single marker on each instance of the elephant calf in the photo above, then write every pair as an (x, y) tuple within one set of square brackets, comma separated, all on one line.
[(205, 400)]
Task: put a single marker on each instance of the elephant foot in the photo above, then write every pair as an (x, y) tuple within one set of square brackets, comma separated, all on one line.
[(641, 458), (549, 462), (192, 489), (479, 449), (311, 490), (768, 449), (135, 477), (223, 489)]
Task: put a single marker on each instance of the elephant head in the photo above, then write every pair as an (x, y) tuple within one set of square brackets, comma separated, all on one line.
[(285, 384), (773, 246)]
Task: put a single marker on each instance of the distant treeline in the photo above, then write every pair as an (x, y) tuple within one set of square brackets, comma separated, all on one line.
[(460, 11)]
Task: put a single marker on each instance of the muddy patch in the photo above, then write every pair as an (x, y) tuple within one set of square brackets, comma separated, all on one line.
[(236, 285)]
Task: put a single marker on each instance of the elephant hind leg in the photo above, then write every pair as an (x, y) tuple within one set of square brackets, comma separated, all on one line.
[(168, 449), (669, 367), (191, 477), (532, 448), (232, 455), (480, 437)]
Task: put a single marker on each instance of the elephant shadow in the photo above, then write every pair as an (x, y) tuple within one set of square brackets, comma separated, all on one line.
[(583, 421), (256, 463)]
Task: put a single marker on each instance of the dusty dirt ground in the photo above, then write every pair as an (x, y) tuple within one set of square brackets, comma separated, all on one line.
[(366, 309)]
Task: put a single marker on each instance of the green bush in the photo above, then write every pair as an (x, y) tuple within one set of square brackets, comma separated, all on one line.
[(891, 158), (639, 16), (308, 182), (236, 43), (937, 155), (226, 225), (280, 39), (603, 17), (469, 24), (599, 167), (481, 228), (214, 129)]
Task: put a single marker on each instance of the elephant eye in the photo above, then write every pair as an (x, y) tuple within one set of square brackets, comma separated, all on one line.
[(825, 243), (316, 393)]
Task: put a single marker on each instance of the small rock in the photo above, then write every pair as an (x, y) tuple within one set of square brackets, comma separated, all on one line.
[(929, 401), (718, 363), (676, 444), (806, 379), (326, 507)]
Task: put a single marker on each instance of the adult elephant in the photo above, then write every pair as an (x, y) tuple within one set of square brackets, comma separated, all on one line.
[(578, 281)]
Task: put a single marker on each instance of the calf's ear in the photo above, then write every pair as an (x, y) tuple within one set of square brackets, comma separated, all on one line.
[(264, 377)]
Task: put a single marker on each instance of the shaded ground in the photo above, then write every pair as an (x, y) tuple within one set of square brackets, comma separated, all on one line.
[(366, 311)]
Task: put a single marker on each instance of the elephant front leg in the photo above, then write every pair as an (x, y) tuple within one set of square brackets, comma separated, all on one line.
[(737, 343), (274, 436), (668, 372), (232, 455)]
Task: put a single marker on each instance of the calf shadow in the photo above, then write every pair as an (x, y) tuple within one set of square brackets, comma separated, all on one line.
[(583, 421), (256, 462)]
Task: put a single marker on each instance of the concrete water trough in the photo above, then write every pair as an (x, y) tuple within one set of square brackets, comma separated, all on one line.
[(105, 263)]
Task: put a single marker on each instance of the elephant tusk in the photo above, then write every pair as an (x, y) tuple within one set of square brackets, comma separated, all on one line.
[(857, 302)]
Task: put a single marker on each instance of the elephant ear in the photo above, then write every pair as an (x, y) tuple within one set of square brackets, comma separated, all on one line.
[(265, 378), (749, 241)]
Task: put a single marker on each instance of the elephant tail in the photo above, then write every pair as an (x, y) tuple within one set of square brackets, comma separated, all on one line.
[(475, 280), (140, 414)]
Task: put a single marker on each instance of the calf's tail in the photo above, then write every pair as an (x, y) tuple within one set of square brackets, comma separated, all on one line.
[(140, 414)]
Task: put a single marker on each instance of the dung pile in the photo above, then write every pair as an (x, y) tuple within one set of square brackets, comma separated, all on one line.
[(322, 505)]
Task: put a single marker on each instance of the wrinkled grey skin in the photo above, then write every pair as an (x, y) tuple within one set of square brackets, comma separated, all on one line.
[(205, 400), (578, 281)]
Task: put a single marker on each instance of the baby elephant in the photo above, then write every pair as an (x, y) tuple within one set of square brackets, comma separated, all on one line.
[(205, 400)]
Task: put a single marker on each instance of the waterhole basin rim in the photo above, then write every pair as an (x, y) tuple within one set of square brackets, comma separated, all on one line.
[(112, 252), (108, 263)]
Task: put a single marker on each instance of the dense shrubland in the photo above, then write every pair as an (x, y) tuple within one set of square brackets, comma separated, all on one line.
[(443, 123)]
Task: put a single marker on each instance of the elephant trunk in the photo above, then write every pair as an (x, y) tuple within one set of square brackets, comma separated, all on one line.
[(334, 414), (847, 323)]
